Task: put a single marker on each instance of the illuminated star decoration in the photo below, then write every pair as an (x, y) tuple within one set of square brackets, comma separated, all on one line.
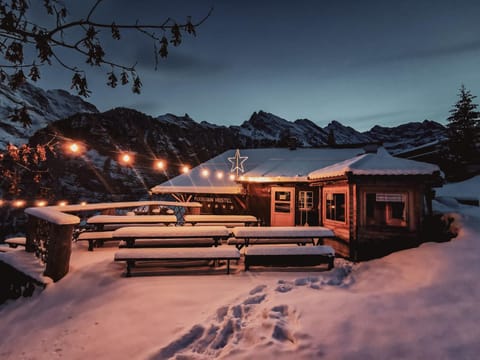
[(237, 162)]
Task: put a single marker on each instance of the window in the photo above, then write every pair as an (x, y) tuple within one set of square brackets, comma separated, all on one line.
[(335, 206), (282, 201), (305, 200), (387, 209)]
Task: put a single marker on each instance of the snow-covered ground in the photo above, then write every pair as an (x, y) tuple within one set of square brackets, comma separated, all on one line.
[(419, 303)]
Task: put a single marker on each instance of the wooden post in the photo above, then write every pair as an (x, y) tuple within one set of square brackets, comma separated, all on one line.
[(31, 233), (59, 250)]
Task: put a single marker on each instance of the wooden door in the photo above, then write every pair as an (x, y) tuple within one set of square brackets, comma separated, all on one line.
[(282, 208)]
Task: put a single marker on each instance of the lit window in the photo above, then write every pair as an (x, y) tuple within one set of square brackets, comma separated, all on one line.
[(335, 206), (305, 200), (386, 209)]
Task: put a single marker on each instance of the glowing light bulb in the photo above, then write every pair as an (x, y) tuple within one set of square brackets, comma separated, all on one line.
[(74, 148), (219, 174), (159, 164), (19, 203), (205, 172), (185, 169), (41, 203)]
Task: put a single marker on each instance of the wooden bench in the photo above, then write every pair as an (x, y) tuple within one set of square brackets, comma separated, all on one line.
[(184, 234), (247, 235), (172, 242), (16, 241), (95, 238), (289, 256), (226, 220), (240, 242), (130, 256), (123, 220)]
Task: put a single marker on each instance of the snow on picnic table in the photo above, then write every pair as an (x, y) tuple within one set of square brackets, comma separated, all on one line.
[(171, 231), (282, 231), (128, 219), (220, 218)]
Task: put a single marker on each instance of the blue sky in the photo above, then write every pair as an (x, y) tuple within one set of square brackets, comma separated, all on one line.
[(359, 62)]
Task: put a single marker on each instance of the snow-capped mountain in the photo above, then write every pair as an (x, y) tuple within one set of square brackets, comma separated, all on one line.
[(347, 135), (43, 107), (176, 139), (409, 135), (263, 127)]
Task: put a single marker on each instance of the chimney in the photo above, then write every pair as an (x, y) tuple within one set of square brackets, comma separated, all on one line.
[(371, 148)]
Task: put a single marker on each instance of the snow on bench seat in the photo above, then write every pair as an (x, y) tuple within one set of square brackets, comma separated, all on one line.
[(101, 220), (240, 242), (158, 254), (130, 234), (16, 241), (227, 220), (93, 236), (289, 256), (173, 242)]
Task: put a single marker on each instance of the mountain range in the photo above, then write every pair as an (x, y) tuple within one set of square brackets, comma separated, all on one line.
[(176, 139)]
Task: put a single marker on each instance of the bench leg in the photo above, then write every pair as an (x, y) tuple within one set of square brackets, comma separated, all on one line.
[(130, 264), (90, 245), (330, 263), (228, 266)]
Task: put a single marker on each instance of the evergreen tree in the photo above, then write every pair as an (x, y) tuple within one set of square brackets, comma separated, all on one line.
[(331, 138), (463, 129)]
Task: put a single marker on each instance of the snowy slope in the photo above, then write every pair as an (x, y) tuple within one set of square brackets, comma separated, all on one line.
[(420, 303), (44, 107)]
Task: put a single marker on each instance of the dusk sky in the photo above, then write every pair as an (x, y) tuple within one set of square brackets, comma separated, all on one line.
[(359, 62)]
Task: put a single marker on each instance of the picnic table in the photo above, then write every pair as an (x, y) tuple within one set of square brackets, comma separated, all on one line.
[(249, 235), (131, 256), (129, 220), (227, 220), (185, 235)]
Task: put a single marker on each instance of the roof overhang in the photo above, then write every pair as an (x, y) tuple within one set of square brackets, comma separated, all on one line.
[(235, 189)]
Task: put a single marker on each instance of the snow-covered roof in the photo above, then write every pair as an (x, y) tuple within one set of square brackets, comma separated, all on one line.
[(380, 163), (285, 165), (254, 165)]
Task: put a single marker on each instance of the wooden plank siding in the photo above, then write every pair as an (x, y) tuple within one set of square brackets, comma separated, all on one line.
[(341, 244)]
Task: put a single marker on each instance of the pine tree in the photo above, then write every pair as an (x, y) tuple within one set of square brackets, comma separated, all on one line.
[(463, 129), (331, 138)]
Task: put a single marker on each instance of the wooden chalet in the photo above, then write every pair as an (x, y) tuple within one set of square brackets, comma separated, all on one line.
[(374, 202)]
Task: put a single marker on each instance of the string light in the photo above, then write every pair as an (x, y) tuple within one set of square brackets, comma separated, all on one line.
[(19, 203), (40, 203), (62, 203), (231, 177), (159, 164), (74, 148), (185, 169), (219, 175), (205, 172), (126, 158)]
